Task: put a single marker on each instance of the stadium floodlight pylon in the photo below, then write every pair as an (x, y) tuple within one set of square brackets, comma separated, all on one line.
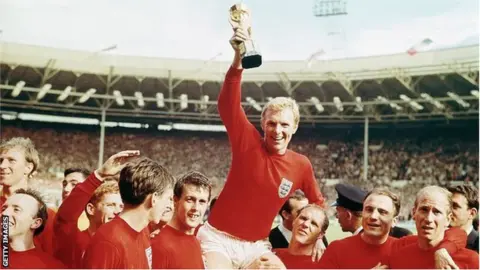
[(359, 105), (118, 98), (415, 105), (140, 100), (183, 101), (160, 100), (317, 104), (204, 105), (460, 101), (44, 91), (338, 104), (474, 93), (87, 95), (254, 104), (65, 93), (392, 104), (18, 88), (435, 103)]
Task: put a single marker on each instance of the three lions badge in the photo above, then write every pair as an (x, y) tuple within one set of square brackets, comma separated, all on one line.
[(284, 188)]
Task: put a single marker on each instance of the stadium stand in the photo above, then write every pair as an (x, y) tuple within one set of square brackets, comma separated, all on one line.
[(396, 155)]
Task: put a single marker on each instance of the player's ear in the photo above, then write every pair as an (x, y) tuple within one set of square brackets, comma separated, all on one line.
[(295, 128), (36, 223), (29, 169), (90, 209), (472, 212), (394, 221), (285, 214)]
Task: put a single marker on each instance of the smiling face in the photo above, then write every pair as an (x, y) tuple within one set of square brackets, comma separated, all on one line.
[(109, 206), (191, 207), (21, 210), (13, 166), (279, 127), (378, 216)]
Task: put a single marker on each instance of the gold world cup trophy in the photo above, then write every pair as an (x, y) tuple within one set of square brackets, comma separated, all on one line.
[(240, 18)]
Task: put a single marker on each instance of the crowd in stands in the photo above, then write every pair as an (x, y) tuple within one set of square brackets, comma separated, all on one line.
[(434, 161)]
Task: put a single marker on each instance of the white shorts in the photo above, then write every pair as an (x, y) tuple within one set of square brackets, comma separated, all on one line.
[(241, 252)]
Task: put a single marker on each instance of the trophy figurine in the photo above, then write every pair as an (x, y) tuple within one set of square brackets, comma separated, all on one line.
[(240, 18)]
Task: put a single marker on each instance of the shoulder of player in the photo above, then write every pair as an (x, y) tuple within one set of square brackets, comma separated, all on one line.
[(280, 250), (466, 255), (48, 259), (299, 158)]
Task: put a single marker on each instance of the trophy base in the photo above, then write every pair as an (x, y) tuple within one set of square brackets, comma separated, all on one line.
[(251, 61)]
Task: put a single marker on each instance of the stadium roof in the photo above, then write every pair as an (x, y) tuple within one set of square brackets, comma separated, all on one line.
[(425, 86)]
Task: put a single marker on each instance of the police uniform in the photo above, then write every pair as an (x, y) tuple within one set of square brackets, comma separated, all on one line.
[(350, 197)]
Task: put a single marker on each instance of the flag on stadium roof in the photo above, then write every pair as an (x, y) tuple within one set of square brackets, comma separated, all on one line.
[(421, 46)]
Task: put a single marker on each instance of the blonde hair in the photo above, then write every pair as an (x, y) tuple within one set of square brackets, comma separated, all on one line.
[(430, 190), (31, 154), (280, 104), (109, 187)]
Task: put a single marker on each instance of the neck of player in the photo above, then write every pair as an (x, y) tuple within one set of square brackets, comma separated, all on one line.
[(7, 191), (92, 228), (468, 227), (374, 240), (136, 217), (425, 243), (22, 242), (296, 248), (176, 223)]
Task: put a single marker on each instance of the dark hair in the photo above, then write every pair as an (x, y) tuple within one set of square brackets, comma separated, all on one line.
[(83, 171), (470, 193), (386, 192), (325, 223), (296, 195), (212, 203), (42, 212), (143, 177), (192, 178)]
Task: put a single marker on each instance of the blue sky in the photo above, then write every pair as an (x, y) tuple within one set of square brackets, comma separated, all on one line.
[(199, 29)]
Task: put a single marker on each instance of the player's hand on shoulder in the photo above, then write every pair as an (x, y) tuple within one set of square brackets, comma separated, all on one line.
[(318, 250), (380, 266)]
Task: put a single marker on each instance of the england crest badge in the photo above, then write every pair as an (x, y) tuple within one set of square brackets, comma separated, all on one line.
[(284, 188)]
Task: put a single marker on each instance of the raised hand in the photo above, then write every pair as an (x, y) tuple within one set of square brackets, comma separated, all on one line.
[(115, 163), (239, 36)]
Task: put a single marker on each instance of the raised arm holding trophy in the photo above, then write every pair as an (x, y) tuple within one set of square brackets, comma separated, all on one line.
[(240, 19)]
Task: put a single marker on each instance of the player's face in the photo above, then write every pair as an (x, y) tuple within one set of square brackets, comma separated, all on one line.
[(70, 181), (13, 166), (21, 210), (191, 207), (431, 216), (161, 203), (377, 215), (296, 205), (108, 208), (308, 226), (278, 126), (461, 214), (168, 213)]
